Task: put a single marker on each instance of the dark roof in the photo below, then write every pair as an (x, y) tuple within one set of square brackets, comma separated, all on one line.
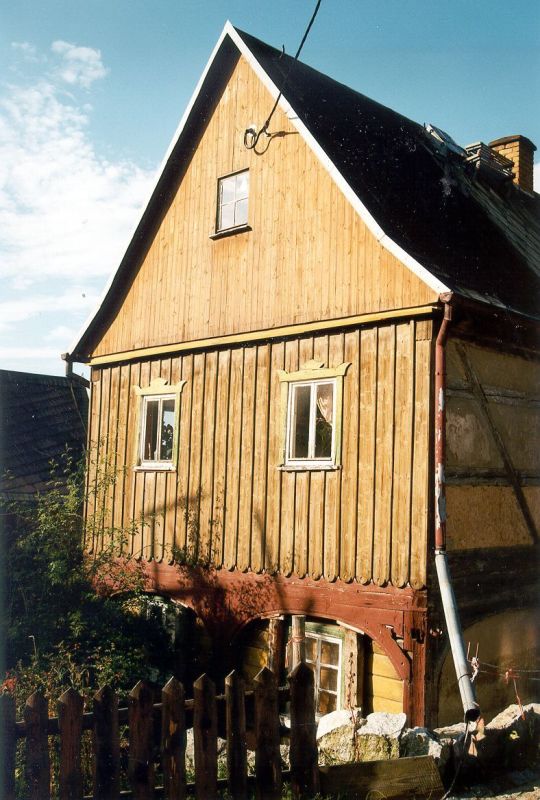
[(481, 242), (40, 416)]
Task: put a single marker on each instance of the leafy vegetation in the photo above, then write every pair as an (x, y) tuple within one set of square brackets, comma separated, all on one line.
[(73, 618)]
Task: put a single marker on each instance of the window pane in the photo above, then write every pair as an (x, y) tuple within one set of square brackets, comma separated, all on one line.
[(226, 216), (328, 678), (327, 702), (167, 429), (324, 420), (300, 422), (311, 649), (150, 430), (330, 653), (242, 185), (240, 214), (227, 190)]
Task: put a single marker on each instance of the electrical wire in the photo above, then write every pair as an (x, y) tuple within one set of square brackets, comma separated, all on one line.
[(494, 669), (252, 144)]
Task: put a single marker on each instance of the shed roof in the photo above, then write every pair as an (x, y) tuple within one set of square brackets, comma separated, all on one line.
[(423, 202), (40, 416)]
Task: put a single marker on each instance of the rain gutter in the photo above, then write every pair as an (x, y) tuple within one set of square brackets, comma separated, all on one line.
[(466, 689)]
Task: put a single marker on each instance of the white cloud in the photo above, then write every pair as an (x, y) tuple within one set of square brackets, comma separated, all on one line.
[(80, 65), (26, 50), (66, 211), (61, 334), (26, 308), (28, 353)]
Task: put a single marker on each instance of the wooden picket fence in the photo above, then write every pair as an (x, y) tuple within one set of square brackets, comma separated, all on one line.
[(157, 741)]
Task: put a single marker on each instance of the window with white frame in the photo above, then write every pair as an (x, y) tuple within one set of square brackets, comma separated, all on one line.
[(232, 206), (311, 400), (158, 416), (157, 433), (323, 654), (311, 423)]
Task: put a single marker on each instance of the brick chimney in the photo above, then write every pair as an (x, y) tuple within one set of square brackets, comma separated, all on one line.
[(520, 150)]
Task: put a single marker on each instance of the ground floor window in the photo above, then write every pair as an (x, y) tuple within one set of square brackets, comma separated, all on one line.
[(323, 653)]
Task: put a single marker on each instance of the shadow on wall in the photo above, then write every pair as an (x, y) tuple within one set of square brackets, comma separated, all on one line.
[(505, 641)]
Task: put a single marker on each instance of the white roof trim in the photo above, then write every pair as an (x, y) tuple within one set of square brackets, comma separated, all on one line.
[(389, 244)]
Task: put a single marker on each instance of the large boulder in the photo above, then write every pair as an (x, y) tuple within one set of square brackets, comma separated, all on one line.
[(381, 723), (344, 736), (423, 742), (377, 738), (336, 733), (337, 719), (511, 739)]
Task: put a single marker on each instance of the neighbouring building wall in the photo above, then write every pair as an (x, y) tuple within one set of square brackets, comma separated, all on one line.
[(227, 501), (493, 507), (493, 432), (507, 640)]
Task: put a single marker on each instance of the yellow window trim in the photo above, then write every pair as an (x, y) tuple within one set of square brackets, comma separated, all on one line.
[(312, 371), (158, 387)]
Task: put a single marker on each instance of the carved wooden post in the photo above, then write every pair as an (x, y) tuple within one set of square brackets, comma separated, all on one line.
[(236, 736), (37, 764), (141, 729), (106, 773), (276, 645), (70, 711), (268, 777), (8, 742), (298, 640), (173, 740), (303, 752), (205, 738)]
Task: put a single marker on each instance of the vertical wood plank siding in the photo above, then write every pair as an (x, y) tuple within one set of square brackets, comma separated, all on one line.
[(229, 501), (308, 256)]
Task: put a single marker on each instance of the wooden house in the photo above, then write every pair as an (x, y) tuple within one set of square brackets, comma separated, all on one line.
[(263, 373)]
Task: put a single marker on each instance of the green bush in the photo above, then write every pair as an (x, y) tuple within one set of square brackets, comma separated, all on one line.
[(74, 618)]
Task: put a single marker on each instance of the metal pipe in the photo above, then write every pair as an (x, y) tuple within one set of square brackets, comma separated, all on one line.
[(453, 625), (440, 429)]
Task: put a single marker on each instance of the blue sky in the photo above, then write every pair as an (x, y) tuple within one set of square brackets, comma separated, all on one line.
[(91, 93)]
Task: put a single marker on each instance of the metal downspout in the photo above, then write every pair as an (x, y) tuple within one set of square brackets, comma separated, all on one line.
[(453, 625)]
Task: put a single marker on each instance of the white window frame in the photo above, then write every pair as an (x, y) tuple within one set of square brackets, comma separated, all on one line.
[(317, 664), (310, 459), (244, 224), (312, 372), (159, 390), (159, 398)]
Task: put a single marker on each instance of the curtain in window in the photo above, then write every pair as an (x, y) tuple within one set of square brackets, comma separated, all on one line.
[(325, 402)]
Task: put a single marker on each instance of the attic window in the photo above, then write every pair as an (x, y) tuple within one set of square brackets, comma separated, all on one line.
[(232, 202)]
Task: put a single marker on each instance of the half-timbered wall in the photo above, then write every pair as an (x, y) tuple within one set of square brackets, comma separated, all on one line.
[(493, 508), (493, 459), (230, 504), (308, 256)]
